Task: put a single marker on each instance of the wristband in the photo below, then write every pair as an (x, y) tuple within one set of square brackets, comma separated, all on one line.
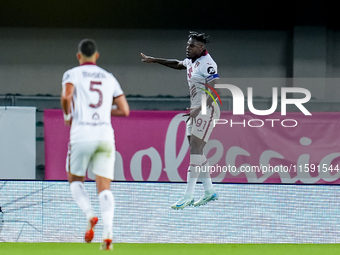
[(67, 117)]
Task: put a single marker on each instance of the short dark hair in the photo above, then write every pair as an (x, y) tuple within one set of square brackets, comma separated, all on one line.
[(87, 47), (200, 37)]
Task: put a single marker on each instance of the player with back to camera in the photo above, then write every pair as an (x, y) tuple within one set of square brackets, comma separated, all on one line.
[(88, 92), (201, 70)]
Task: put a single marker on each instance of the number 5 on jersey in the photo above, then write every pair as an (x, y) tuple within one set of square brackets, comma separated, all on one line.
[(92, 88)]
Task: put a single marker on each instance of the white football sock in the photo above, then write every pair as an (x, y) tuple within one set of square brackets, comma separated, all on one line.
[(205, 175), (195, 162), (107, 205), (80, 196)]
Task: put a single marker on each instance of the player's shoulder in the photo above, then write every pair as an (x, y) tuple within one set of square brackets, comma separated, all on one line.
[(71, 70), (100, 69), (69, 75), (208, 60), (208, 66), (107, 73), (74, 71), (92, 71)]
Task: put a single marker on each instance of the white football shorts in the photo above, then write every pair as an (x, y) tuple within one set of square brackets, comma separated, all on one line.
[(203, 126), (98, 156)]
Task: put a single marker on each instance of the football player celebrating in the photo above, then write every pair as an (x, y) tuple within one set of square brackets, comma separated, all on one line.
[(201, 75)]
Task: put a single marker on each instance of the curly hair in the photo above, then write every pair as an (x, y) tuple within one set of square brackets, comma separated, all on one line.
[(200, 37)]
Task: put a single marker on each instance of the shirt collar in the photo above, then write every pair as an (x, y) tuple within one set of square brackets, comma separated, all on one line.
[(204, 53), (88, 63)]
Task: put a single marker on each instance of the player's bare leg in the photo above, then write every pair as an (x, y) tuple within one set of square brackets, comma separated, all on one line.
[(80, 196), (106, 201)]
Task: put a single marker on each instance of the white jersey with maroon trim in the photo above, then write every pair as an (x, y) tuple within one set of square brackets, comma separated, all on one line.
[(199, 72), (94, 90)]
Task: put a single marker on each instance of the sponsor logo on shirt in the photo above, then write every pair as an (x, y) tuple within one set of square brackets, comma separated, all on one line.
[(210, 70), (95, 116)]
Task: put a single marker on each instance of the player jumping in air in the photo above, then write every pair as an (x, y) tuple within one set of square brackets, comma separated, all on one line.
[(201, 71), (87, 96)]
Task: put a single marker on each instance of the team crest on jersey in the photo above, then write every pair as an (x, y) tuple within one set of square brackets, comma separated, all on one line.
[(197, 64), (210, 70), (66, 77)]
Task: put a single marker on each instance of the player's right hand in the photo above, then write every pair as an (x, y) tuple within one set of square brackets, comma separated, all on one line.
[(192, 114), (147, 59), (68, 123)]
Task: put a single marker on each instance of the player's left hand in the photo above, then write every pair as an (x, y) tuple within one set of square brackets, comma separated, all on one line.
[(147, 59), (192, 114)]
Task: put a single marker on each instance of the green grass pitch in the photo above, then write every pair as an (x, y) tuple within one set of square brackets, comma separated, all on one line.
[(165, 249)]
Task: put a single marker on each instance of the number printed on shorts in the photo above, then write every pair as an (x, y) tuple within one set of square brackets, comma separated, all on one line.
[(199, 123), (100, 101)]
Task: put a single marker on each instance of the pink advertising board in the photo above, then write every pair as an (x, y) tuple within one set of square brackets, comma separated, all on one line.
[(152, 146)]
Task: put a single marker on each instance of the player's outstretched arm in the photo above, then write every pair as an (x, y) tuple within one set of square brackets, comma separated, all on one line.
[(122, 107), (172, 63)]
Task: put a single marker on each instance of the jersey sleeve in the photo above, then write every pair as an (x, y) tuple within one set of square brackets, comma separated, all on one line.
[(209, 71), (117, 89), (184, 62), (69, 77)]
